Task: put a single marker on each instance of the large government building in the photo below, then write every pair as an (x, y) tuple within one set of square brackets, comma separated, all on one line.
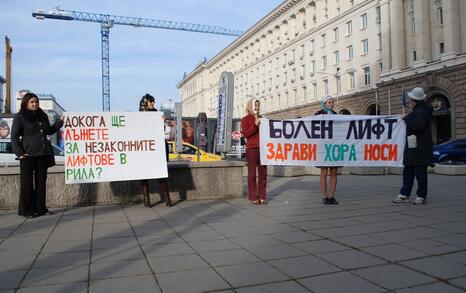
[(364, 52)]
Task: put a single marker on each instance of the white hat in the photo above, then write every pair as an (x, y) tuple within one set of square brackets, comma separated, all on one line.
[(417, 94), (326, 98)]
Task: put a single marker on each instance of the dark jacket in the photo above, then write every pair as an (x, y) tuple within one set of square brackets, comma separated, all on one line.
[(322, 112), (250, 131), (29, 133), (418, 122)]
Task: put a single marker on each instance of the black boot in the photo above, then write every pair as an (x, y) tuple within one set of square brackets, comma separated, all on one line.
[(163, 185), (145, 193)]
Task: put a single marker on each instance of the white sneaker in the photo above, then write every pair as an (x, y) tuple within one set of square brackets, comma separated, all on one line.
[(419, 200), (401, 199)]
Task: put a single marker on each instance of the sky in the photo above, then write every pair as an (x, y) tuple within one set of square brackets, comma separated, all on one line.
[(63, 58)]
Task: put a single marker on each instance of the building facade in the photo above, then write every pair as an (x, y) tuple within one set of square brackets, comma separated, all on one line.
[(364, 52)]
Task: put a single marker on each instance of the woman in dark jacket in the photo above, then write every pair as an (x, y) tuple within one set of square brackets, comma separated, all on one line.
[(327, 104), (147, 103), (30, 144), (418, 149)]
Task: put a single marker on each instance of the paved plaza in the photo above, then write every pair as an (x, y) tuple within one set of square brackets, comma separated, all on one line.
[(294, 244)]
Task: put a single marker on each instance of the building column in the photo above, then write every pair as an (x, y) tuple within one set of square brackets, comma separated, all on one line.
[(463, 26), (386, 38), (451, 28), (397, 35), (422, 39)]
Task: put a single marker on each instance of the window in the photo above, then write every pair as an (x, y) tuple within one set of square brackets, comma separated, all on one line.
[(292, 57), (277, 62), (311, 49), (351, 80), (335, 34), (285, 78), (325, 86), (303, 71), (351, 3), (379, 37), (414, 56), (377, 14), (323, 40), (293, 76), (442, 47), (364, 20), (188, 150), (349, 28), (365, 46), (338, 83), (284, 60), (324, 62), (349, 50), (367, 75), (301, 54), (305, 93), (336, 55), (313, 66), (440, 15), (314, 90)]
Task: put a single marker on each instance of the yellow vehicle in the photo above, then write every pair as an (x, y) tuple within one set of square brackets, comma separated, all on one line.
[(191, 153)]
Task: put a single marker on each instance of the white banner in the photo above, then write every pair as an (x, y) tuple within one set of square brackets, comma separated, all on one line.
[(114, 146), (333, 140)]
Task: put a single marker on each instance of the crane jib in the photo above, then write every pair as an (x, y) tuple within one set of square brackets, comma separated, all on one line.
[(107, 21)]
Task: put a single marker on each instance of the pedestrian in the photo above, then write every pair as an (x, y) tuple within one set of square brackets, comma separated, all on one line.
[(327, 104), (147, 103), (30, 144), (250, 130), (417, 154)]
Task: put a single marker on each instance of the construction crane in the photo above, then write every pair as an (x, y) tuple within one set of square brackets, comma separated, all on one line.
[(107, 21)]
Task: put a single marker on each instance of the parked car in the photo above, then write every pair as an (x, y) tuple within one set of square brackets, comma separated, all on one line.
[(191, 153), (7, 155), (450, 152)]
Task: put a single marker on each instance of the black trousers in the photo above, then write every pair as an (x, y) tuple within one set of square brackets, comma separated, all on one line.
[(409, 172), (33, 181)]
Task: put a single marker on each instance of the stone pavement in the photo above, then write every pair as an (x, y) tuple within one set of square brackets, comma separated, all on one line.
[(294, 244)]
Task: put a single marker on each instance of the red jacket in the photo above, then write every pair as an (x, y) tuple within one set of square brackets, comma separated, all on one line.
[(250, 131)]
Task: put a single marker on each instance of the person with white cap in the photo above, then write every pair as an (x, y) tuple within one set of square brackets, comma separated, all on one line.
[(327, 104), (418, 149)]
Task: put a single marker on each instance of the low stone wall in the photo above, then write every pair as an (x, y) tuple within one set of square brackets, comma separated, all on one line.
[(187, 181), (285, 171), (456, 170)]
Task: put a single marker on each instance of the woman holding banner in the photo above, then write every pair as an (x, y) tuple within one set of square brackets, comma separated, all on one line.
[(30, 144), (250, 129), (327, 104), (147, 103)]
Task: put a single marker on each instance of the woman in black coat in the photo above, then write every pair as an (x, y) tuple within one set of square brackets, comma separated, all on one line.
[(418, 149), (147, 103), (34, 151)]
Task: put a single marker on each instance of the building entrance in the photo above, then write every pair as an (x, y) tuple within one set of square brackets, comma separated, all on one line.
[(441, 118)]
